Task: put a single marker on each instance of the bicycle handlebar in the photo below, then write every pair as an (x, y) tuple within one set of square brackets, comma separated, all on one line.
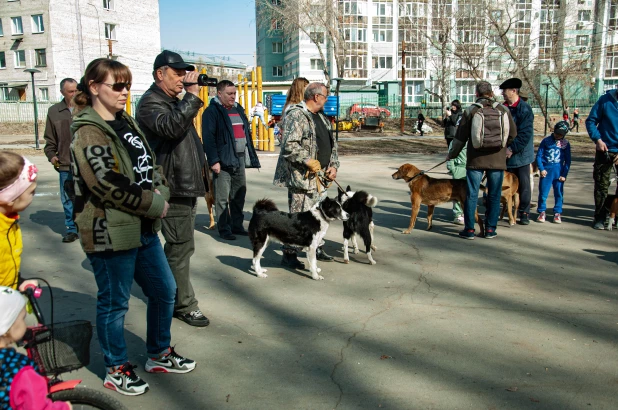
[(33, 293)]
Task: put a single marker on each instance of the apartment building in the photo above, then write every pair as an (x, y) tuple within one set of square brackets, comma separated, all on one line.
[(60, 37), (220, 67), (452, 43)]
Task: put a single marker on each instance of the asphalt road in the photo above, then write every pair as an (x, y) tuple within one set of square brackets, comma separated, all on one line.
[(525, 321)]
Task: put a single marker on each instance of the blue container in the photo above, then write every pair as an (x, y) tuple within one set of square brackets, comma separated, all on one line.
[(276, 104), (332, 106)]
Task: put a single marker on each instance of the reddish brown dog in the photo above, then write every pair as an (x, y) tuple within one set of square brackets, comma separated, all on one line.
[(431, 192), (209, 197), (509, 198)]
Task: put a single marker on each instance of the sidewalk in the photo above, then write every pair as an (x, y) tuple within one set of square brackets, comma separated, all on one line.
[(524, 321)]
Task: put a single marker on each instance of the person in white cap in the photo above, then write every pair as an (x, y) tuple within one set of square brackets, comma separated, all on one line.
[(21, 387)]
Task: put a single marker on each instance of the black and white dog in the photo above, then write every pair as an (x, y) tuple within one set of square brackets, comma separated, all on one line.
[(360, 222), (306, 229)]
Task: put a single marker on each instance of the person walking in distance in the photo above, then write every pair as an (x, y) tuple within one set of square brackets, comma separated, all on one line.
[(229, 149), (420, 121), (520, 152), (575, 123), (167, 122), (57, 149), (309, 147), (452, 117), (602, 127)]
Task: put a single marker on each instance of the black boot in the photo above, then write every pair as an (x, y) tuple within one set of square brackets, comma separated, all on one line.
[(323, 256), (291, 260)]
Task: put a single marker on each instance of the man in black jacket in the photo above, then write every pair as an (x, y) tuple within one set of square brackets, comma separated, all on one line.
[(229, 148), (167, 122)]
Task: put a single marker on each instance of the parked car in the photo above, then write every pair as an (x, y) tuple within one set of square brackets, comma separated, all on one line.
[(367, 110)]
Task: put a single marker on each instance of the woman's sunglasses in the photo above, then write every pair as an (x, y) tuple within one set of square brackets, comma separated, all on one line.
[(119, 86)]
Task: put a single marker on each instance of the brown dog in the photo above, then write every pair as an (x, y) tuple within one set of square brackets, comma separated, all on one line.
[(431, 192), (210, 196), (509, 196)]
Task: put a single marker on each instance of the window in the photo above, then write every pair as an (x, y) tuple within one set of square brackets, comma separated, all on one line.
[(108, 4), (382, 61), (581, 41), (20, 58), (110, 31), (2, 60), (465, 91), (317, 37), (583, 16), (40, 57), (277, 47), (355, 34), (16, 25), (494, 66), (4, 92), (276, 2), (37, 23), (382, 36), (317, 64), (276, 24), (415, 92), (277, 71), (44, 94), (1, 31)]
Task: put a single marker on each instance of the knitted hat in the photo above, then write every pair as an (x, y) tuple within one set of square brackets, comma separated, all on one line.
[(561, 127), (11, 304)]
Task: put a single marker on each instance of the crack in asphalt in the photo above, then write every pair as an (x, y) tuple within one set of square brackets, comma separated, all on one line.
[(349, 341)]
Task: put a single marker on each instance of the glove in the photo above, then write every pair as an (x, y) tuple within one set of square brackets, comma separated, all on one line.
[(313, 165)]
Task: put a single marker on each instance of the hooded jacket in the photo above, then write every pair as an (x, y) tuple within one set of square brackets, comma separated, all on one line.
[(218, 137), (109, 204), (300, 143), (602, 122), (167, 123), (11, 247)]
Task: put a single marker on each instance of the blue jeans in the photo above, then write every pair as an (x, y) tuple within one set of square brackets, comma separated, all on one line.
[(553, 173), (114, 273), (66, 203), (494, 189)]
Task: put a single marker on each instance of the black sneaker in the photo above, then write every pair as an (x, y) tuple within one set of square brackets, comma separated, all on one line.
[(291, 260), (467, 234), (523, 219), (125, 381), (323, 256), (195, 318), (170, 363), (70, 237)]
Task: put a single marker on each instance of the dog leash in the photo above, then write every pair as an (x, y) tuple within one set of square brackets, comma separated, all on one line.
[(426, 171)]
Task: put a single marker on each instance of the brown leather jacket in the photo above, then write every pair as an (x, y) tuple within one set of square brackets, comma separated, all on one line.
[(58, 135)]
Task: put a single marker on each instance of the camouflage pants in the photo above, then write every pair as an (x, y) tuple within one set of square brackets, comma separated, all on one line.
[(301, 201), (601, 174)]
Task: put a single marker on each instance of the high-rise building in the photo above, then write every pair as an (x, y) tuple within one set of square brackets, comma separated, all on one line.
[(451, 44), (60, 38)]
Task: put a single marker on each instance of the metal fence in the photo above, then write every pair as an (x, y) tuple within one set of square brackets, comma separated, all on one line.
[(23, 111)]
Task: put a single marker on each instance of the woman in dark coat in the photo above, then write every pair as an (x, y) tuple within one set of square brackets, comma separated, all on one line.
[(451, 121), (421, 120)]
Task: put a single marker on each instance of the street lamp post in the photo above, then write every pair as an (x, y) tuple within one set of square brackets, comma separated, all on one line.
[(338, 80), (36, 111), (546, 108)]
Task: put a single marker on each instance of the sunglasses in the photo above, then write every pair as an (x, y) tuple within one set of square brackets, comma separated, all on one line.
[(119, 86)]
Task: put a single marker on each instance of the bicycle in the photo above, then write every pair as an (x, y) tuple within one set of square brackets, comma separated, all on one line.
[(60, 348)]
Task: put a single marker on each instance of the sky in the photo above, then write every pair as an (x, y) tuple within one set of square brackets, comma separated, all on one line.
[(218, 27)]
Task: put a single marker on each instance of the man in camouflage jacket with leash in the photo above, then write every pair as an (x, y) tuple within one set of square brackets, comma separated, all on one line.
[(308, 147)]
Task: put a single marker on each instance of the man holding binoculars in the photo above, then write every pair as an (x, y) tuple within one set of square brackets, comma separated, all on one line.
[(167, 122)]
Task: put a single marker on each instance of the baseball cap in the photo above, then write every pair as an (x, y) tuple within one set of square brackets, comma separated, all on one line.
[(171, 59), (11, 304), (562, 128)]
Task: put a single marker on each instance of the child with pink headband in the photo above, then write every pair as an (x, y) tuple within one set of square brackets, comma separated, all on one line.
[(17, 185)]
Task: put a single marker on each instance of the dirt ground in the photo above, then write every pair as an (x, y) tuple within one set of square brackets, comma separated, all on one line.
[(10, 128)]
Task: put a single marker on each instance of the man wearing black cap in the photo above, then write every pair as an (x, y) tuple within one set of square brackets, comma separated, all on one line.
[(167, 122), (520, 153)]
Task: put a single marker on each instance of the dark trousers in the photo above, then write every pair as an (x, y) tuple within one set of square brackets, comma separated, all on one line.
[(523, 175), (230, 191), (575, 125), (178, 228), (601, 174)]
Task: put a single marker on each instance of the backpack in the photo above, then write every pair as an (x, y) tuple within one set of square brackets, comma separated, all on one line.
[(490, 127)]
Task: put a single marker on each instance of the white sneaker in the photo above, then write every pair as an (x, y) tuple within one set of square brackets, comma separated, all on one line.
[(170, 363), (125, 381), (541, 217), (459, 220)]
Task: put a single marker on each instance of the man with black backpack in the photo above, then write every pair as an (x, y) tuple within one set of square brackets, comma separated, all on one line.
[(520, 153), (487, 127)]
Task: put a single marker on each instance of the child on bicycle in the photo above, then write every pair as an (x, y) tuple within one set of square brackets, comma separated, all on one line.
[(21, 387), (17, 185)]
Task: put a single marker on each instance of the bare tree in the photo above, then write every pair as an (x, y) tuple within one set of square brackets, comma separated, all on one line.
[(327, 24)]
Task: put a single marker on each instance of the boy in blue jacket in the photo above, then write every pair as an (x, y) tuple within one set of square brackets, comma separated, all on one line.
[(554, 160)]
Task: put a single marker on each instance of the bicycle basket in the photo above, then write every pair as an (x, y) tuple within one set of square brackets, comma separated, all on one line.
[(61, 347)]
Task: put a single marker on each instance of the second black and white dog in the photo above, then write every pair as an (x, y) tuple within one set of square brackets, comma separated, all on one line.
[(306, 229), (360, 222)]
